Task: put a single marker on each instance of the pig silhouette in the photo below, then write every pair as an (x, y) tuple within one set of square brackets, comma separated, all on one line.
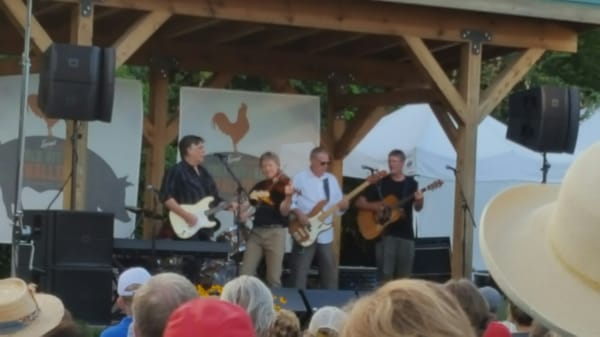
[(43, 171)]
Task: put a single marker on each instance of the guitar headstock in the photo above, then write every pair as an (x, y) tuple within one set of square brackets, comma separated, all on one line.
[(436, 184), (376, 176)]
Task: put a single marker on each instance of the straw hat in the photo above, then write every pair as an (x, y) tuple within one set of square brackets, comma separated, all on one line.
[(541, 244), (25, 313)]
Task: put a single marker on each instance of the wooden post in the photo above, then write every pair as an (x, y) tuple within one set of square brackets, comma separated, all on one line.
[(155, 160), (469, 87), (82, 29)]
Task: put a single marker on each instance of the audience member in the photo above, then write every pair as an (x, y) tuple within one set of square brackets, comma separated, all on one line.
[(154, 302), (251, 294), (494, 300), (209, 317), (66, 328), (520, 319), (326, 322), (472, 303), (129, 281), (407, 308), (25, 313), (286, 324), (540, 243)]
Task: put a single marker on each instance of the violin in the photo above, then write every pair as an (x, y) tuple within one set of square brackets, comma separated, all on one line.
[(276, 185)]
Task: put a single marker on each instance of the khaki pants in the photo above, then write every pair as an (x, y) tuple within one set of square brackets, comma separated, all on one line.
[(302, 261), (269, 242)]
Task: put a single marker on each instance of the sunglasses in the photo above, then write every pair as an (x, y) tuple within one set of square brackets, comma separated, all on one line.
[(323, 163)]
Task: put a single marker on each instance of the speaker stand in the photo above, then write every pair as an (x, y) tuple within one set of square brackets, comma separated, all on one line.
[(18, 229), (545, 167), (74, 161)]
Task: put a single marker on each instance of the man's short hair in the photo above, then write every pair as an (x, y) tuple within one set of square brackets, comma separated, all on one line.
[(397, 153), (154, 302), (186, 141), (317, 150)]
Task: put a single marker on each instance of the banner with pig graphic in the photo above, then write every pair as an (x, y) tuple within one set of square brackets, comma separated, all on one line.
[(246, 124), (113, 156)]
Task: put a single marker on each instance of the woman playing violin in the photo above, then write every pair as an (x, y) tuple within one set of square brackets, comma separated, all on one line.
[(271, 198)]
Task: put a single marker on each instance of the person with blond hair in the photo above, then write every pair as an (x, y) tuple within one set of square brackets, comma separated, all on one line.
[(154, 302), (286, 324), (407, 308), (253, 295)]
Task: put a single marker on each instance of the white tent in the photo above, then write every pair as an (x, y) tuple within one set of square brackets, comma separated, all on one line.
[(500, 163)]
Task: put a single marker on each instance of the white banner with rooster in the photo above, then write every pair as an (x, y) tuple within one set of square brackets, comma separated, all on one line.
[(113, 156), (244, 125)]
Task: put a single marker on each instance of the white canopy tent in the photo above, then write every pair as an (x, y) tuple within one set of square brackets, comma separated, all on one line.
[(500, 163)]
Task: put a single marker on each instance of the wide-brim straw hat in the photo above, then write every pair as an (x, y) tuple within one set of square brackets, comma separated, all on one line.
[(24, 313), (541, 244)]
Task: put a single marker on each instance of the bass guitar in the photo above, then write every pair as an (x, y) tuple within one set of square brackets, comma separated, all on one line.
[(306, 234), (202, 211), (371, 224)]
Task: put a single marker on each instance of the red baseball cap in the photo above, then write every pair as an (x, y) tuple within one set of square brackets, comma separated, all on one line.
[(209, 317), (496, 329)]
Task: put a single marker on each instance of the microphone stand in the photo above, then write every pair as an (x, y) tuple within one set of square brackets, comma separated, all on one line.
[(237, 218), (153, 242), (18, 227), (466, 211), (545, 168)]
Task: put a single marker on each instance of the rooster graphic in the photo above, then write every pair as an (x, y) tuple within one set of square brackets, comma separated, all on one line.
[(235, 130), (32, 101)]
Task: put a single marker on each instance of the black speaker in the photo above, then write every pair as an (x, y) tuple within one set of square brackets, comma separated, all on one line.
[(290, 299), (317, 298), (432, 259), (77, 82), (70, 237), (544, 119), (87, 292)]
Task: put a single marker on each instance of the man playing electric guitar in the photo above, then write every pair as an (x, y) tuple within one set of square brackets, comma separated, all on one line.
[(314, 185), (395, 248), (186, 183)]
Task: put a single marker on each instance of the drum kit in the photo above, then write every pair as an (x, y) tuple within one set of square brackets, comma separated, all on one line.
[(212, 270)]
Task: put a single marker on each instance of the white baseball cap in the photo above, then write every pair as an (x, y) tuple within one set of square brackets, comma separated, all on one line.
[(327, 317), (131, 279)]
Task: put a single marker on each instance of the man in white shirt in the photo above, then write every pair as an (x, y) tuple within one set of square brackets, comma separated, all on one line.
[(316, 184)]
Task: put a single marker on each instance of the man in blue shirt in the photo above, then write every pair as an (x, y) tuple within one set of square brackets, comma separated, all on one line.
[(129, 281)]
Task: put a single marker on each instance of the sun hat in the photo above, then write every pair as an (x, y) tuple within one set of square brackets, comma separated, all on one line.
[(131, 279), (26, 313), (541, 245), (327, 317), (210, 317)]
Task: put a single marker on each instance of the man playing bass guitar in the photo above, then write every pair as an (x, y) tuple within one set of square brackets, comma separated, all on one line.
[(395, 248)]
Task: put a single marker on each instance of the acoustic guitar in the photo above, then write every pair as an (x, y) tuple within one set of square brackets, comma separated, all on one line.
[(306, 235), (371, 224)]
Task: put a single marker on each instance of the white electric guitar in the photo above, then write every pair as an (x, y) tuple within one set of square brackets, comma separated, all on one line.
[(306, 235), (202, 211)]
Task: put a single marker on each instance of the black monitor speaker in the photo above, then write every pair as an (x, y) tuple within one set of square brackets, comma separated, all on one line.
[(545, 119), (77, 82)]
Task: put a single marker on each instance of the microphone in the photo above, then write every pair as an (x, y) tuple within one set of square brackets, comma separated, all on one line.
[(448, 167), (366, 167)]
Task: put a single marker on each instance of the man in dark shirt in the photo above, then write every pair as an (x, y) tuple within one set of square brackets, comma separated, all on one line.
[(395, 248), (187, 182), (267, 237)]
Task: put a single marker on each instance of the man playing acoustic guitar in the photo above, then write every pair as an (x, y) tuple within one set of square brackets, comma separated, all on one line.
[(395, 248)]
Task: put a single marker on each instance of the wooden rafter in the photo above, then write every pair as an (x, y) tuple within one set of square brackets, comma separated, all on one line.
[(148, 132), (232, 32), (17, 12), (138, 33), (374, 17), (328, 41), (357, 128), (281, 38), (506, 80), (437, 74), (446, 122), (48, 9), (185, 26), (270, 63)]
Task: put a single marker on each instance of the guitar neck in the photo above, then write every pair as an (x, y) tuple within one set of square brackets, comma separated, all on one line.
[(347, 197), (218, 208), (406, 199)]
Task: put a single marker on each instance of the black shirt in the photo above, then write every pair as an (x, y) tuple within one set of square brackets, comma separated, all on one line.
[(267, 214), (402, 228), (182, 183)]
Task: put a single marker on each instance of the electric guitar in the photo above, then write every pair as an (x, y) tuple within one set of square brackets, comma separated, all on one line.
[(306, 235), (371, 224), (202, 211)]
